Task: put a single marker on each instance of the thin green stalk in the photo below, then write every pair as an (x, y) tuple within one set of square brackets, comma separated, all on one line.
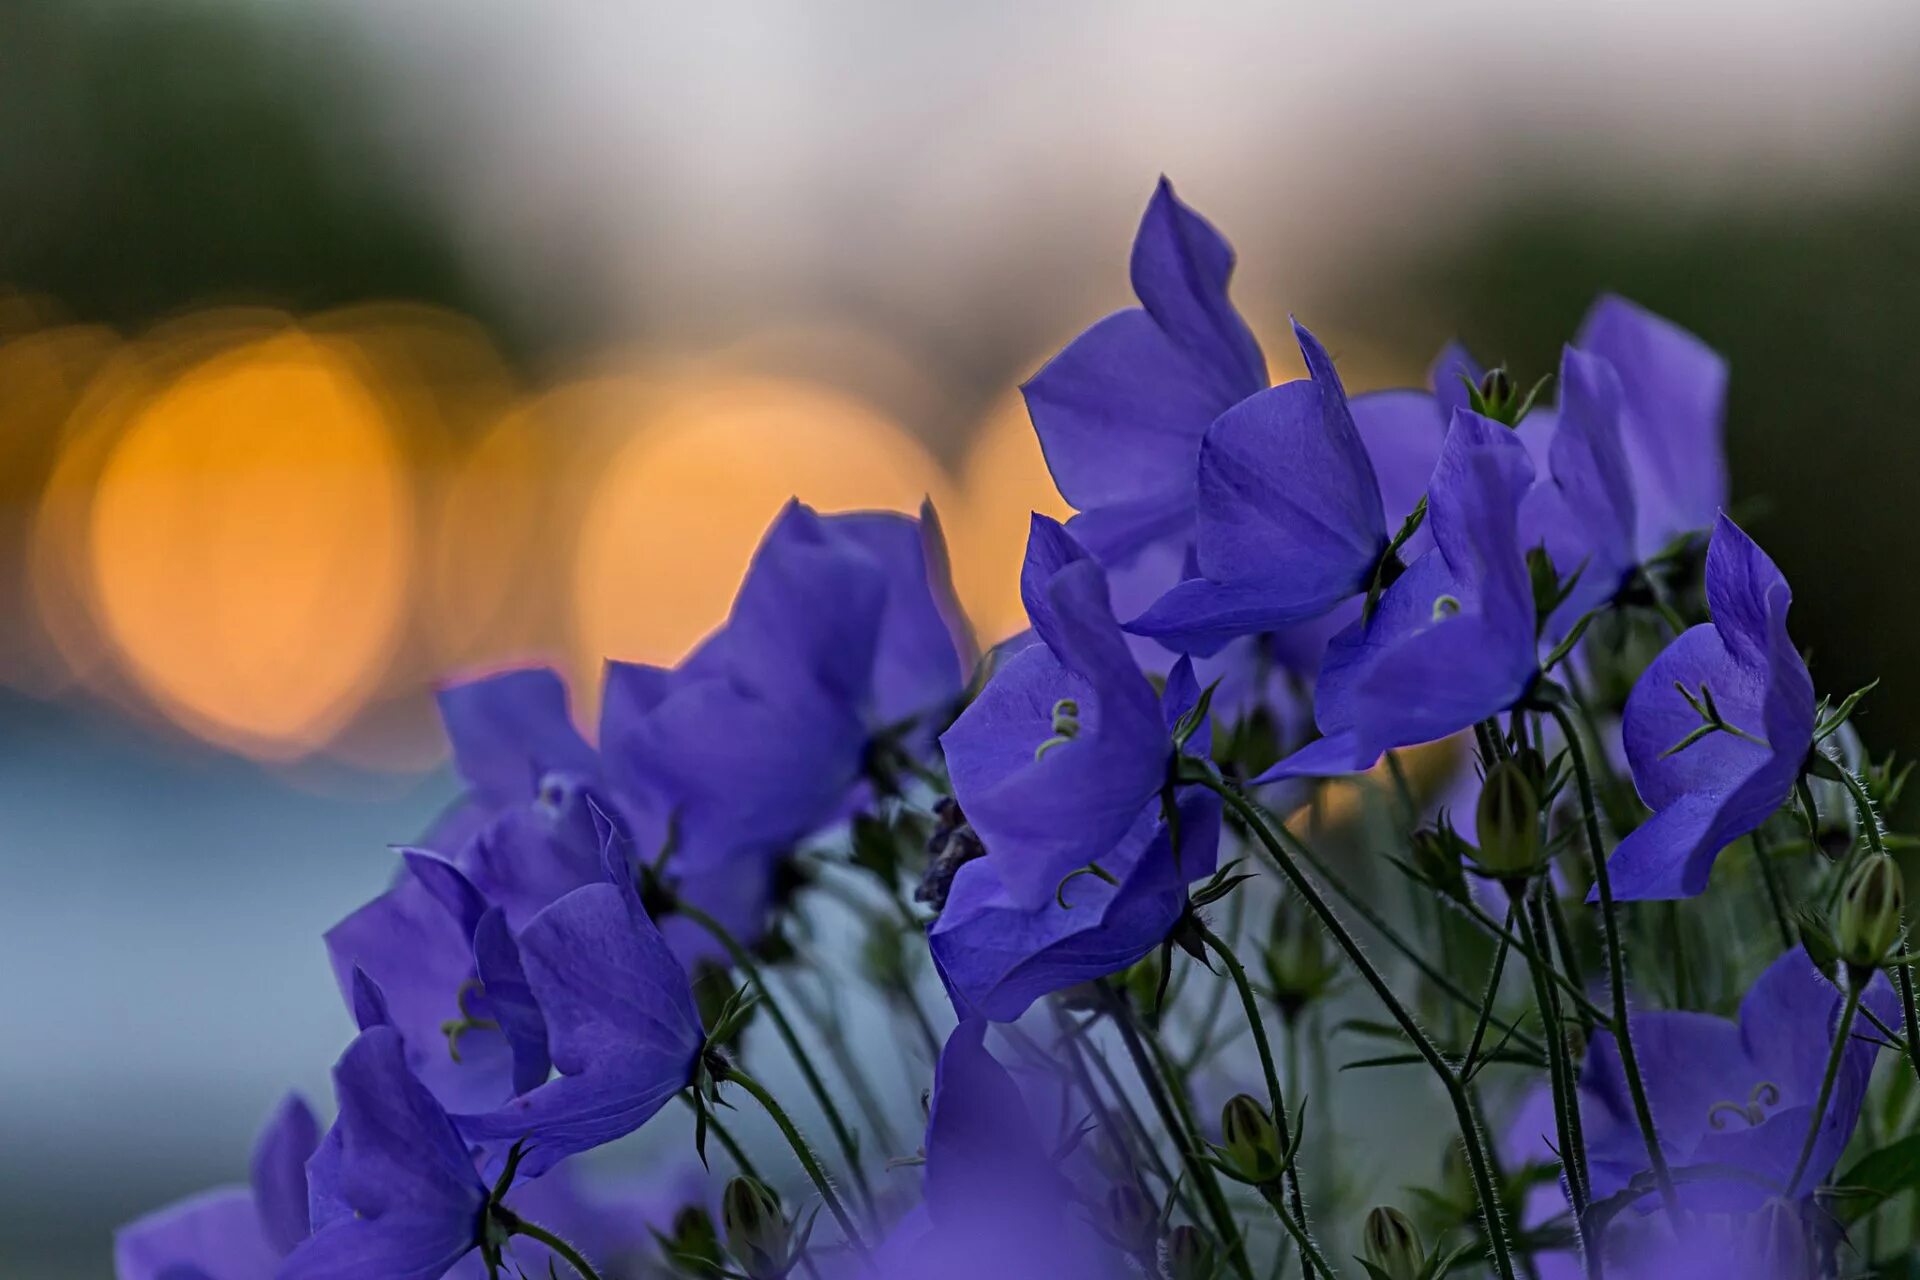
[(1913, 1018), (1776, 895), (1494, 929), (1486, 1003), (1085, 1053), (1177, 1121), (1276, 1098), (1569, 960), (728, 1142), (1566, 1095), (1841, 1036), (832, 1033), (1362, 908), (805, 1153), (521, 1227), (843, 1137), (1616, 965), (1474, 1141)]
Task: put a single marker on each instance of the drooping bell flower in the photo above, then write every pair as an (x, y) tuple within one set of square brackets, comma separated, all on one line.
[(1674, 391), (995, 1201), (998, 956), (1291, 520), (1717, 728), (1055, 760), (1121, 411), (394, 1192), (1453, 640), (620, 1024), (231, 1233), (1738, 1095)]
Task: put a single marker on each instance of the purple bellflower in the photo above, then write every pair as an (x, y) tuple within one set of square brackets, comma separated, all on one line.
[(1291, 520), (1453, 639), (1121, 411), (995, 1199), (843, 643), (393, 1190), (231, 1233), (1708, 787), (997, 957), (619, 1019), (1066, 745), (1735, 1095)]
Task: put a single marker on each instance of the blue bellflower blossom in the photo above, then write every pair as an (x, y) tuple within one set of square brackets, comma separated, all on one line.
[(759, 738), (1738, 1095), (1674, 390), (1291, 520), (1055, 760), (997, 956), (620, 1023), (231, 1233), (995, 1200), (1724, 784), (1121, 411), (1453, 639), (394, 1192)]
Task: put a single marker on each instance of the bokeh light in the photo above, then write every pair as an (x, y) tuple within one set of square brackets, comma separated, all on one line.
[(668, 531), (251, 544), (1003, 479)]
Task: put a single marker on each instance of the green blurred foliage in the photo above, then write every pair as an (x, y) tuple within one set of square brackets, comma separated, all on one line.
[(161, 156)]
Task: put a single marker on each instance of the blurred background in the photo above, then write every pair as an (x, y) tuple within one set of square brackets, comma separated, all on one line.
[(348, 345)]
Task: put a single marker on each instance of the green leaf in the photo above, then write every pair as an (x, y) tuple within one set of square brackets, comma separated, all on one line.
[(1877, 1177)]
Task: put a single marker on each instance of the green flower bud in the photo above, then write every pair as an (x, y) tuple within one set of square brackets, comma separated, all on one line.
[(1868, 923), (1299, 961), (1391, 1245), (1777, 1244), (1249, 1141), (693, 1236), (758, 1235), (1507, 822), (1190, 1255), (1130, 1219)]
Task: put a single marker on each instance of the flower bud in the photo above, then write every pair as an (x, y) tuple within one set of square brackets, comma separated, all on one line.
[(1190, 1255), (1496, 387), (758, 1236), (1249, 1140), (1777, 1245), (1130, 1219), (1868, 923), (1298, 959), (1392, 1246), (693, 1236), (1507, 822)]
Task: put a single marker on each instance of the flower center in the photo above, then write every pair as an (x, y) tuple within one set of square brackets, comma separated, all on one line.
[(1753, 1110), (1066, 726)]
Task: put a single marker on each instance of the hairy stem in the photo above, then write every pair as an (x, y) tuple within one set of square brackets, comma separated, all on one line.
[(815, 1173)]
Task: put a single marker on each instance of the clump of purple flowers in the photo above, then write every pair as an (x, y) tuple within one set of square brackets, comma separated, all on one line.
[(1117, 952)]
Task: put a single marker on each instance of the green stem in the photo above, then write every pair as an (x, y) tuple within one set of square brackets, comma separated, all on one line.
[(843, 1137), (1362, 908), (521, 1227), (1913, 1018), (1480, 1021), (1283, 860), (1494, 929), (1841, 1036), (1177, 1121), (805, 1154), (1276, 1099), (1616, 964), (731, 1144), (1566, 1093), (1863, 805), (1570, 961), (1776, 895)]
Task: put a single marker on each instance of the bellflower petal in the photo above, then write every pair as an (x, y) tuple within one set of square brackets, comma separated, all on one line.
[(1044, 813), (1452, 640), (1739, 1095), (621, 1027), (510, 729), (278, 1172), (217, 1234), (923, 653), (413, 1200), (1291, 520), (1121, 411), (1675, 388), (1586, 515), (1723, 785)]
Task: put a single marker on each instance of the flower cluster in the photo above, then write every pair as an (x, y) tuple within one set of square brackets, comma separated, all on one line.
[(1527, 604)]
